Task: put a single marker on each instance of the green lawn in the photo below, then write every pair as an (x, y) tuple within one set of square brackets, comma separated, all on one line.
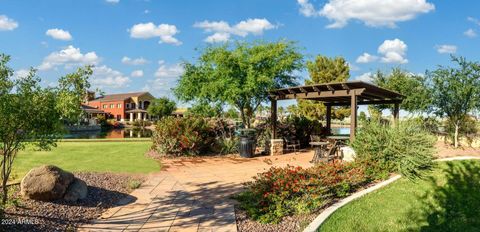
[(120, 157), (448, 200)]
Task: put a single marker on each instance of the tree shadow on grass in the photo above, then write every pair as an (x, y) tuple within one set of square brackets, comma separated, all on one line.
[(452, 203)]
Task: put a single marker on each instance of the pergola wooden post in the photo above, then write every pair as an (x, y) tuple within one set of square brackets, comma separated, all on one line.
[(329, 118), (273, 116), (351, 93), (353, 115)]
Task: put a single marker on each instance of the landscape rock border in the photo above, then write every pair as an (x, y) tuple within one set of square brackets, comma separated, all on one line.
[(325, 214)]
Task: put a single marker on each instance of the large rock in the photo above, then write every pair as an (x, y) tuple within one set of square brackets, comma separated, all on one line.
[(77, 190), (46, 183)]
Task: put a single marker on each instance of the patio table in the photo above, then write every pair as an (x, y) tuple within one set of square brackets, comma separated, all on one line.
[(320, 149)]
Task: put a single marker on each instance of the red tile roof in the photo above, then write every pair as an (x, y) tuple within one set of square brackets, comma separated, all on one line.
[(118, 97)]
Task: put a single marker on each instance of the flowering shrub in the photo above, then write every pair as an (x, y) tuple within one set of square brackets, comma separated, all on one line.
[(292, 190), (182, 136), (194, 136)]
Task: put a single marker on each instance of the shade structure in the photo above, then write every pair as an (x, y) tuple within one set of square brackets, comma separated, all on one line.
[(350, 93)]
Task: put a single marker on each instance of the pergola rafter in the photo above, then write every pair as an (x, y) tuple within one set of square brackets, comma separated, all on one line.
[(351, 93)]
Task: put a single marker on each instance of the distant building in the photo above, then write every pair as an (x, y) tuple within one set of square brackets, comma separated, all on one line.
[(122, 107)]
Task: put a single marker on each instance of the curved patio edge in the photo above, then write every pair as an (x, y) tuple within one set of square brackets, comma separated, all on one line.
[(324, 215)]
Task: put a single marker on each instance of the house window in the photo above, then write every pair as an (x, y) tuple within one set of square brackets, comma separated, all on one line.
[(104, 106), (128, 105), (119, 105), (112, 106)]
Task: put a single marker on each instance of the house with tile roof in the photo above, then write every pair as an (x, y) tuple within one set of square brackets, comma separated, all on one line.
[(122, 107)]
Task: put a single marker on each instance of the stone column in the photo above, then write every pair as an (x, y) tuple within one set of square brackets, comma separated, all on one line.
[(131, 117), (276, 147), (139, 116)]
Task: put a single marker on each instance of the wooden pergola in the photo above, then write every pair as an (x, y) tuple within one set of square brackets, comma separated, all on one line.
[(351, 93)]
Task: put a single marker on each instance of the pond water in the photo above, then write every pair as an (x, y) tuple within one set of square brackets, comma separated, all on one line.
[(341, 130), (110, 134), (146, 133)]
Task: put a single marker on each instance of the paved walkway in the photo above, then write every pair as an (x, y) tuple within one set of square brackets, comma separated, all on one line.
[(190, 195)]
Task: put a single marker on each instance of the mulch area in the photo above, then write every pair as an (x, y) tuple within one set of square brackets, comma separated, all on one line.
[(288, 224), (446, 150), (104, 190)]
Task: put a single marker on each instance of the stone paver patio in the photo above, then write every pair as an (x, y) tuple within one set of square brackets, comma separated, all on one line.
[(191, 194)]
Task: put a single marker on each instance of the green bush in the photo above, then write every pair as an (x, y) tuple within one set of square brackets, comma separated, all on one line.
[(383, 149), (141, 123), (183, 136), (293, 190)]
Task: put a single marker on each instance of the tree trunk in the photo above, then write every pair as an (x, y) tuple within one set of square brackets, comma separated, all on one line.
[(4, 181), (244, 119), (456, 135)]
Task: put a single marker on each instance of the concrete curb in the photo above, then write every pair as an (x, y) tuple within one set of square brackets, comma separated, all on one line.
[(324, 215), (330, 210)]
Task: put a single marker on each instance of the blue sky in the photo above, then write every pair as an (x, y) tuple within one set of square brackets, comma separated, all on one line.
[(137, 45)]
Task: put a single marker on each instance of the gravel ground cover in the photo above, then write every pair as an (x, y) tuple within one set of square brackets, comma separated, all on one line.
[(104, 190), (288, 224)]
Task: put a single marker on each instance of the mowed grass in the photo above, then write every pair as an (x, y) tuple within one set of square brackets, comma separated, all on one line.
[(118, 157), (447, 200)]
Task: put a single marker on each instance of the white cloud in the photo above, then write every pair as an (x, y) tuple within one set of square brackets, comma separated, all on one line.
[(218, 37), (393, 51), (470, 33), (166, 78), (21, 73), (136, 61), (474, 20), (7, 24), (168, 71), (353, 67), (105, 77), (112, 1), (68, 57), (165, 32), (366, 77), (137, 73), (59, 34), (366, 58), (222, 31), (307, 9), (446, 49), (375, 13)]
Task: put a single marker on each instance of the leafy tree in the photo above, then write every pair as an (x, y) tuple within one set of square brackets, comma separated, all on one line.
[(206, 110), (456, 91), (32, 114), (324, 70), (231, 113), (413, 87), (72, 91), (161, 107), (239, 75)]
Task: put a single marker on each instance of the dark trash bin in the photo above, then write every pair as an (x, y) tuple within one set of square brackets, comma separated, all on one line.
[(247, 147), (247, 143)]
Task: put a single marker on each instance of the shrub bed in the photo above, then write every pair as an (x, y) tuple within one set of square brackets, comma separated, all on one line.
[(293, 190), (381, 150), (191, 136)]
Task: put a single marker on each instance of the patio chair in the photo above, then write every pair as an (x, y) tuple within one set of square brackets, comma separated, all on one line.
[(315, 138), (292, 144), (332, 153)]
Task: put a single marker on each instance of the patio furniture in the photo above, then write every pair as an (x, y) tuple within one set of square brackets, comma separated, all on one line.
[(315, 138), (292, 144), (320, 150)]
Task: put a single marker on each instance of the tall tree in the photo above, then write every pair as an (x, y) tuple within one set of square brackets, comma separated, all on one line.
[(72, 90), (324, 70), (456, 91), (31, 114), (162, 107), (413, 87), (239, 75)]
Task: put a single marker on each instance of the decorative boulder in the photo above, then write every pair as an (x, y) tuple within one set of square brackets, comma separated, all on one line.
[(45, 183), (77, 190)]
